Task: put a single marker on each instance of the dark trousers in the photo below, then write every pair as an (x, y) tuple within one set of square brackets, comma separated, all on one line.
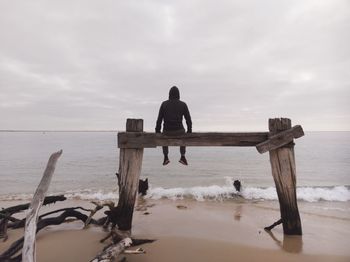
[(174, 133)]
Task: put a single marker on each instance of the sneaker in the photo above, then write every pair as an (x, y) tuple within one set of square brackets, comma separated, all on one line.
[(183, 160), (166, 161)]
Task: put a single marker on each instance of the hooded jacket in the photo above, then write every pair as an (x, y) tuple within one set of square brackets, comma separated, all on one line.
[(172, 111)]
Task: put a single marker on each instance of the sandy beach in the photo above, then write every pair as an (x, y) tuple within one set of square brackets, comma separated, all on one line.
[(189, 230)]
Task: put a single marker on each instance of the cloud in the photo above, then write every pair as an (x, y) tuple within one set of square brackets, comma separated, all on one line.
[(90, 65)]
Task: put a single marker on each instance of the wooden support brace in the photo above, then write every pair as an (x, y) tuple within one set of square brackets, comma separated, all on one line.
[(280, 139)]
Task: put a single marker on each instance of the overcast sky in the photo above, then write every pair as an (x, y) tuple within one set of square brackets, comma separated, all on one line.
[(89, 65)]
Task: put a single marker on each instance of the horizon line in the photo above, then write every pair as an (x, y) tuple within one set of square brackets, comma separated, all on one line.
[(82, 130)]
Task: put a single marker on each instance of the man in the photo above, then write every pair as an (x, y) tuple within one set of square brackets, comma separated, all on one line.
[(172, 111)]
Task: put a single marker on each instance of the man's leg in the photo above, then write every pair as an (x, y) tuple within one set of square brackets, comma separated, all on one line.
[(182, 150), (165, 153), (183, 159)]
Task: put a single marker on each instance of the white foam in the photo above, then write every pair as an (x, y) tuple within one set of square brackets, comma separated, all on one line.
[(313, 194), (198, 193), (252, 193), (91, 195), (309, 194), (213, 192), (15, 197), (85, 194)]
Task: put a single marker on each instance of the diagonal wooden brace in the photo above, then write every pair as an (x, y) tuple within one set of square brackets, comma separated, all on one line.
[(281, 139)]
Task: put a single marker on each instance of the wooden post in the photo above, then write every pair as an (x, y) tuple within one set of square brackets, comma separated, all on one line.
[(130, 162), (283, 171)]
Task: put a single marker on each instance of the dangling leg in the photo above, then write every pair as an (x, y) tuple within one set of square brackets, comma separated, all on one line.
[(165, 153), (183, 159)]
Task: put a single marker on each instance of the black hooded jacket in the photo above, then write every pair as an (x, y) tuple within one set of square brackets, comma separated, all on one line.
[(172, 111)]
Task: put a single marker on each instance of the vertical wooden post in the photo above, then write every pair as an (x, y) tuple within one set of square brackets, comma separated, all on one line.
[(283, 171), (130, 162)]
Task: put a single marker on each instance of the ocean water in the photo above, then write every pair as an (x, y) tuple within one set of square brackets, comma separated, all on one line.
[(87, 168)]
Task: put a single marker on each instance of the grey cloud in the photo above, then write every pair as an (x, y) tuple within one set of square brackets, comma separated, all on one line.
[(90, 65)]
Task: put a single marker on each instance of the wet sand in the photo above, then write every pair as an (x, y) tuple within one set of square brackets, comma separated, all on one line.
[(201, 231)]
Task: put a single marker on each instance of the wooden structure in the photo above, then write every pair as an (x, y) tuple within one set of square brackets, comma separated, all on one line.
[(278, 142)]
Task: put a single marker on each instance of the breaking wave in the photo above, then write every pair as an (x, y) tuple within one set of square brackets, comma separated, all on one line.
[(214, 192), (309, 194)]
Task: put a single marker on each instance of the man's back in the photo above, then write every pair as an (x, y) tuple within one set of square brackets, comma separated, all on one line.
[(172, 111)]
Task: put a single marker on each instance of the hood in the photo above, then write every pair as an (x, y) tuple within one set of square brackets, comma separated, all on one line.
[(174, 93)]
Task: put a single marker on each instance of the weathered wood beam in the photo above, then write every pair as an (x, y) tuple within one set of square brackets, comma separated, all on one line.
[(149, 140), (283, 169), (281, 139), (130, 163), (28, 252)]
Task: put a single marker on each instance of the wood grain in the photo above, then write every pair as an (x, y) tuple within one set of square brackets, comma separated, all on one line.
[(284, 174), (28, 251), (130, 163), (149, 140), (280, 139)]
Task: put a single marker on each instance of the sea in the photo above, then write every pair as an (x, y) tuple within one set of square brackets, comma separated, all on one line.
[(86, 170)]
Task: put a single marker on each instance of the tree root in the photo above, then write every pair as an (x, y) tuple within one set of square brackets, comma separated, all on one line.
[(17, 245), (15, 209), (7, 213)]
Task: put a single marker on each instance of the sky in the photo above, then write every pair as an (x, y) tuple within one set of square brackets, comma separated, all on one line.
[(90, 65)]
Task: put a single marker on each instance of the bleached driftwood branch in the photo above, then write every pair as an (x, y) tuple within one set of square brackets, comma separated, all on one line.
[(113, 251), (28, 252)]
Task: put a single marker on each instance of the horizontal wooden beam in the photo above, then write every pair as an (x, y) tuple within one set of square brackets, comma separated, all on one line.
[(280, 139), (149, 140)]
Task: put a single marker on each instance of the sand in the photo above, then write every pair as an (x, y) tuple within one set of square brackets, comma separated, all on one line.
[(202, 231)]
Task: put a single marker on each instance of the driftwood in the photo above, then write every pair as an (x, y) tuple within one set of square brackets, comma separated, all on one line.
[(13, 253), (18, 208), (6, 215), (269, 228), (10, 254), (117, 235), (93, 212), (111, 253), (68, 213), (136, 251), (3, 228), (28, 253), (21, 223)]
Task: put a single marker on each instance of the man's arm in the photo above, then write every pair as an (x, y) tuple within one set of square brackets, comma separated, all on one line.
[(160, 119), (188, 119)]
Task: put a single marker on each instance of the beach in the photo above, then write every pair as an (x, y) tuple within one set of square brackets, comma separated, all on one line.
[(188, 230), (193, 212), (211, 130)]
